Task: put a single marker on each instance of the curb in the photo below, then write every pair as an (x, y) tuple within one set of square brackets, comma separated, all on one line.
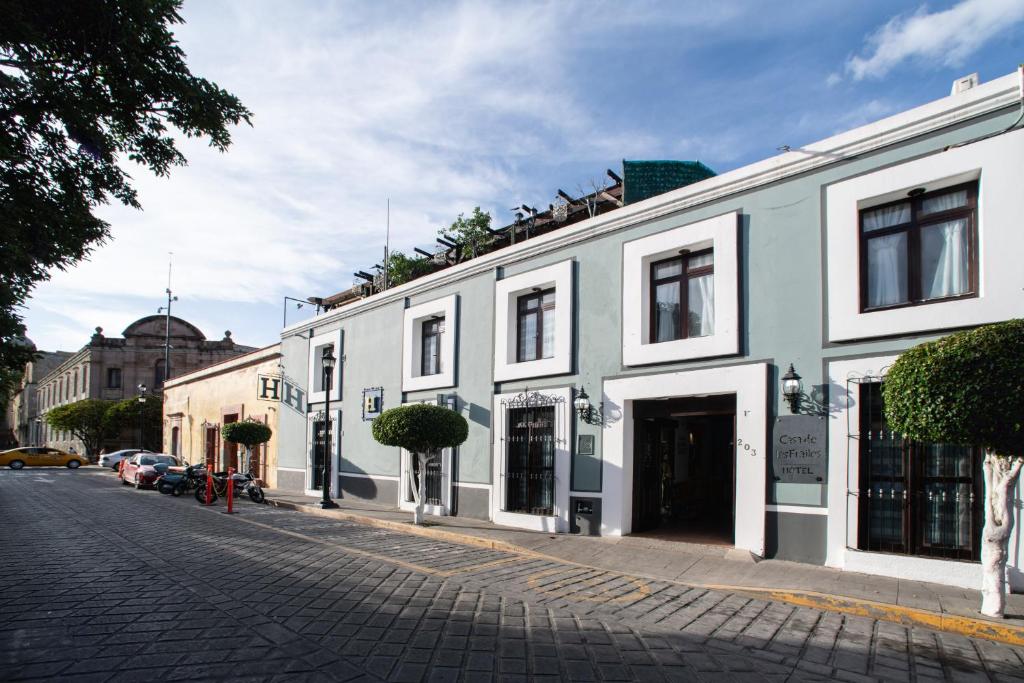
[(908, 616)]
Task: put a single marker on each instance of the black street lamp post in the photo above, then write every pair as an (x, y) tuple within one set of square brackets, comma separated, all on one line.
[(328, 360), (142, 423)]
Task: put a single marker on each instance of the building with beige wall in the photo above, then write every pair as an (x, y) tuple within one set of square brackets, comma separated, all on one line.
[(198, 404)]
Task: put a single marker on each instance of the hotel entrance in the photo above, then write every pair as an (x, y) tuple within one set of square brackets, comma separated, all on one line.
[(684, 469)]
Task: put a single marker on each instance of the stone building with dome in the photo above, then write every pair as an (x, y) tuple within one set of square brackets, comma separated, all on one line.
[(113, 368)]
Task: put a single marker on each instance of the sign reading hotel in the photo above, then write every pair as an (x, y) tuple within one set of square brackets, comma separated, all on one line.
[(799, 450), (277, 388)]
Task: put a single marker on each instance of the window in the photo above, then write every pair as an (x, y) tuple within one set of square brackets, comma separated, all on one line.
[(919, 249), (429, 331), (113, 378), (317, 386), (530, 475), (319, 378), (175, 436), (159, 373), (916, 498), (430, 341), (684, 282), (680, 293), (533, 322), (535, 325)]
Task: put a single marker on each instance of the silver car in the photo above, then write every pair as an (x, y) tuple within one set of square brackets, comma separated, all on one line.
[(113, 460)]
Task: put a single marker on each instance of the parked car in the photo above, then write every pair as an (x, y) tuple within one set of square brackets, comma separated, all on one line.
[(142, 469), (113, 460), (16, 458)]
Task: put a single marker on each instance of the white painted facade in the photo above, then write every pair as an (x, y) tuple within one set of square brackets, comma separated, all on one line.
[(748, 383)]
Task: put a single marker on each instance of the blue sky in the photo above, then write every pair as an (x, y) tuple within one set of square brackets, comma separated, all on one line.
[(446, 106)]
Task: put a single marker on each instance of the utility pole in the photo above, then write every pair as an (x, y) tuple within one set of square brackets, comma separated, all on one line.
[(167, 325), (387, 244)]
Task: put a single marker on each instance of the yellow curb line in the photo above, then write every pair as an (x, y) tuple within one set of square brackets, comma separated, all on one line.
[(899, 614)]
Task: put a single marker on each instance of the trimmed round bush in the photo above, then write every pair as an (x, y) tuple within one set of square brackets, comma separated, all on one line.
[(420, 428), (967, 388), (246, 432)]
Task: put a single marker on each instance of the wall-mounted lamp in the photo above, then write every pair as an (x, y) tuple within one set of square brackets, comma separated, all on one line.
[(791, 389), (585, 409)]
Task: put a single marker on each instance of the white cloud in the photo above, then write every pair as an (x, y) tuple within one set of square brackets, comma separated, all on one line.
[(947, 37)]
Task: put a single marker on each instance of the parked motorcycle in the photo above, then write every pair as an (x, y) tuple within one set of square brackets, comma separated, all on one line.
[(243, 484), (177, 483)]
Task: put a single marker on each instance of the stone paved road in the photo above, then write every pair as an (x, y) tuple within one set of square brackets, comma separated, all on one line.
[(102, 582)]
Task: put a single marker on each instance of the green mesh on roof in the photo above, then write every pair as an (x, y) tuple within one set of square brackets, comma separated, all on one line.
[(643, 179)]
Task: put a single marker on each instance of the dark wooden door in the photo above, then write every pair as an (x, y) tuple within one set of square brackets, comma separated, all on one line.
[(230, 449), (653, 452), (211, 448)]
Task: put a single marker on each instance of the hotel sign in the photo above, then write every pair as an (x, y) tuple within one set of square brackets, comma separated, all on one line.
[(277, 388), (799, 454)]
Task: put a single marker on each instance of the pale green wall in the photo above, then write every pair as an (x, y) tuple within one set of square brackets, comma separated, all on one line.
[(782, 279)]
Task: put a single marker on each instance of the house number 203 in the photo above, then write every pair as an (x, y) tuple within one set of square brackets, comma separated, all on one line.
[(740, 443)]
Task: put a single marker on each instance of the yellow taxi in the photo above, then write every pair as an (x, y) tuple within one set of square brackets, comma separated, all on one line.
[(16, 458)]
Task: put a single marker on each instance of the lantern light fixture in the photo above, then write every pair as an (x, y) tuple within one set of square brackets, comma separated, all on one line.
[(582, 404), (791, 388)]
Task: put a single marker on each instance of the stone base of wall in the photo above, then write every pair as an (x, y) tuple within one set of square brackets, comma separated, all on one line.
[(471, 502), (380, 491), (795, 537), (291, 481)]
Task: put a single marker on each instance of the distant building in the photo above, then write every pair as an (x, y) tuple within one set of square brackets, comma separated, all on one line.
[(23, 408), (113, 368), (198, 404)]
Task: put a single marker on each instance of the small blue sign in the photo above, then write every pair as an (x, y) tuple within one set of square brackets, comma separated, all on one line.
[(373, 402)]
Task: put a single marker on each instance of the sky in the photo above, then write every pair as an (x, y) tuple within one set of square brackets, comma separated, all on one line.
[(443, 106)]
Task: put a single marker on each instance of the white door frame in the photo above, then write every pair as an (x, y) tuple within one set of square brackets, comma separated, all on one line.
[(335, 453), (564, 414), (749, 383), (844, 504), (405, 481), (405, 476)]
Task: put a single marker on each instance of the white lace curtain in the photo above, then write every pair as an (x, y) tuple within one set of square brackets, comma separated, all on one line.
[(887, 270), (944, 252), (702, 306)]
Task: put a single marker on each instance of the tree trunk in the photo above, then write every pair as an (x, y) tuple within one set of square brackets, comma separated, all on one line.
[(1001, 474), (417, 514), (421, 488)]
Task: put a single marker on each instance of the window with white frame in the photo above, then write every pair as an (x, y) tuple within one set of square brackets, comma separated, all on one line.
[(919, 248), (683, 296), (533, 323), (317, 378), (680, 293), (428, 345), (937, 242)]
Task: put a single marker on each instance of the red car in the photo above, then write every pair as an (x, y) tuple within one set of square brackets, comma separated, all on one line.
[(142, 469)]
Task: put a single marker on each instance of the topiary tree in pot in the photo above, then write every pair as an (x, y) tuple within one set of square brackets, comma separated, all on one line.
[(968, 389), (424, 430), (249, 433)]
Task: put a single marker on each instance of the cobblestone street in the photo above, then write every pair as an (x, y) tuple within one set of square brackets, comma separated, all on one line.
[(102, 582)]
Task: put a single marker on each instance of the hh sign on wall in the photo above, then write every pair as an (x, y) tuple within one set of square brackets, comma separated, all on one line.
[(277, 388)]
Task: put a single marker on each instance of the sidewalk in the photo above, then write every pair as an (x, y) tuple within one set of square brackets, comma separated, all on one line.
[(718, 567)]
